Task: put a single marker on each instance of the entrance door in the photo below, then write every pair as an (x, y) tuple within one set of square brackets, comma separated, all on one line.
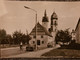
[(38, 42)]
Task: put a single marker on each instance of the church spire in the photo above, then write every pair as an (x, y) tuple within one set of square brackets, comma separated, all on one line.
[(45, 13), (45, 18)]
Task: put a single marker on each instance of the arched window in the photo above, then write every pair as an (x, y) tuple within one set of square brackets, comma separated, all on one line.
[(55, 23)]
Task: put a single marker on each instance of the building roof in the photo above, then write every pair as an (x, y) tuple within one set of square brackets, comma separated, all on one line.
[(40, 30), (54, 16), (77, 24), (45, 18)]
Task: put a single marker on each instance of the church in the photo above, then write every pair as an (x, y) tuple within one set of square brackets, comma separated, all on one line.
[(45, 35)]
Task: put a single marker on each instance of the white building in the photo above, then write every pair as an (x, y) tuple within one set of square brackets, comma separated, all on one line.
[(73, 34), (45, 35)]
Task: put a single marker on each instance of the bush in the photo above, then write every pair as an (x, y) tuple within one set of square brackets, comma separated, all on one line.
[(75, 46), (63, 36)]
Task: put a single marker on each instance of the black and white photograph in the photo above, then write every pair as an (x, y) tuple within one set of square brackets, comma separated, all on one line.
[(39, 29)]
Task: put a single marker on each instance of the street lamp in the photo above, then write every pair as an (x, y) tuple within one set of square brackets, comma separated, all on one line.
[(35, 22)]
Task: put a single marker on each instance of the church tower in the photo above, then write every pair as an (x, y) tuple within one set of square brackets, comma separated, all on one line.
[(54, 23), (54, 20), (45, 20)]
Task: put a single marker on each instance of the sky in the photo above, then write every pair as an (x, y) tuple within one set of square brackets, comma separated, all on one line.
[(13, 15)]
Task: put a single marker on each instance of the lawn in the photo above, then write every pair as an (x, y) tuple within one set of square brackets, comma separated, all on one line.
[(66, 53)]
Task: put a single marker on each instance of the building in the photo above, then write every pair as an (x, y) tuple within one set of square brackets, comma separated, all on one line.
[(45, 35), (77, 31), (73, 34)]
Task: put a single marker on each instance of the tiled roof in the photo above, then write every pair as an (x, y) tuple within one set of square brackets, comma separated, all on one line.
[(40, 30), (77, 24)]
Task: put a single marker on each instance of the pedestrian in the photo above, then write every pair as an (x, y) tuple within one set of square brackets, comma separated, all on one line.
[(21, 46)]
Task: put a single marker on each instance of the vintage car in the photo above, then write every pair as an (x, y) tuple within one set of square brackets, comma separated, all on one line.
[(30, 48)]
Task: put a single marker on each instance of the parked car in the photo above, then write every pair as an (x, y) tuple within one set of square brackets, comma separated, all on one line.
[(49, 45), (30, 48)]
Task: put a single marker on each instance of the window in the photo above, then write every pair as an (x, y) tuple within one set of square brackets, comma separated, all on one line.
[(55, 29), (73, 33), (42, 42), (34, 36), (41, 36), (55, 23), (33, 42), (38, 42)]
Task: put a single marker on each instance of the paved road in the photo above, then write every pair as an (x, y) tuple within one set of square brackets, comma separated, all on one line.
[(12, 51), (32, 54)]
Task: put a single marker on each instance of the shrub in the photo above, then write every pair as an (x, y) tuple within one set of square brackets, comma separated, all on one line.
[(75, 46)]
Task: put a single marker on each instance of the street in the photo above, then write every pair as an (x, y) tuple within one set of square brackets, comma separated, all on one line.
[(32, 54), (36, 54), (11, 51), (14, 52)]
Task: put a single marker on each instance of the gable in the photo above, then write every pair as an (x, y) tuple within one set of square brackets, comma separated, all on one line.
[(40, 30)]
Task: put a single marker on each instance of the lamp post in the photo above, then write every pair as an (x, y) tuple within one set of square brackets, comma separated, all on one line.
[(35, 24)]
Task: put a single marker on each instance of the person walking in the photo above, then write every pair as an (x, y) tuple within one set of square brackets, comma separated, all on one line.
[(21, 45)]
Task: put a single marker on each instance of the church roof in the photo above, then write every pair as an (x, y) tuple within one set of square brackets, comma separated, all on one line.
[(45, 18), (54, 16), (40, 30)]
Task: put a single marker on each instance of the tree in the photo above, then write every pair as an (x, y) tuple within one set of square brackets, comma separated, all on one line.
[(9, 39), (2, 36), (17, 37), (28, 39), (20, 37), (63, 36)]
